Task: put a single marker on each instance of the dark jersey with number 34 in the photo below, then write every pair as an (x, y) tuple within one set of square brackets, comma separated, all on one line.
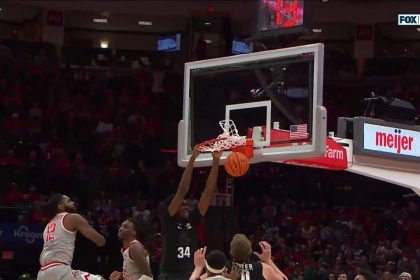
[(179, 243)]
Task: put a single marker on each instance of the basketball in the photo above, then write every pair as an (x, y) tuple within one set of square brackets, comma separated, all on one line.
[(236, 164)]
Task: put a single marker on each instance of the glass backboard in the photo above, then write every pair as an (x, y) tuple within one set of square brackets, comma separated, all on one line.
[(274, 97)]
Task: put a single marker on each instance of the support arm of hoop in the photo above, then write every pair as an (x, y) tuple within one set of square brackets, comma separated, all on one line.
[(274, 99)]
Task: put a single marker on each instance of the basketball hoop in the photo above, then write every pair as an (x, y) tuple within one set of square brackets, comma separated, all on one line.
[(228, 140)]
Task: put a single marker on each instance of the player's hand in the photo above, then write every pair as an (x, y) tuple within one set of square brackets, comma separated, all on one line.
[(217, 154), (116, 275), (265, 255), (200, 257), (235, 273), (196, 152)]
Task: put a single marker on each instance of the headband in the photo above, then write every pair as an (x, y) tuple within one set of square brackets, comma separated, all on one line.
[(214, 270)]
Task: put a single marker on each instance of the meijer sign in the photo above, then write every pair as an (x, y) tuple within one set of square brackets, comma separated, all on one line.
[(391, 140)]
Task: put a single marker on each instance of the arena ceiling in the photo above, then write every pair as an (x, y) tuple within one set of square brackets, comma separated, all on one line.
[(337, 18)]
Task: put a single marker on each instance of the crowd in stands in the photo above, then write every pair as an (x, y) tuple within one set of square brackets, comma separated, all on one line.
[(97, 135)]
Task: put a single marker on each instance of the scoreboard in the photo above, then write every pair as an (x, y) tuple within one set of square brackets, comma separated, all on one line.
[(275, 17)]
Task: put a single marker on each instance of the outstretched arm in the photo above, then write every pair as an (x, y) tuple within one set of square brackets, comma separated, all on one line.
[(77, 222), (138, 254), (270, 270), (184, 184), (199, 263), (203, 204)]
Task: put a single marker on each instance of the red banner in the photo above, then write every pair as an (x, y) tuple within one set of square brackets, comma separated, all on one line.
[(335, 158)]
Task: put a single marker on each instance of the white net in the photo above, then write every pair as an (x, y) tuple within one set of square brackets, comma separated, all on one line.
[(229, 139)]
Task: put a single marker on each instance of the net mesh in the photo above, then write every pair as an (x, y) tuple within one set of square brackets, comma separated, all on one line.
[(228, 140)]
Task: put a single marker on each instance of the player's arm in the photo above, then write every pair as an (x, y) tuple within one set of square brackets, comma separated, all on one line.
[(269, 273), (199, 263), (203, 204), (234, 274), (184, 184), (138, 254), (278, 273), (116, 275), (77, 222), (269, 266)]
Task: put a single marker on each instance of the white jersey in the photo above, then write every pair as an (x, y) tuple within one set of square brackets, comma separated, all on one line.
[(130, 270), (58, 242)]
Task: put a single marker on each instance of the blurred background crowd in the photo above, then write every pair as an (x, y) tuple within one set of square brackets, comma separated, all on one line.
[(104, 138), (100, 125)]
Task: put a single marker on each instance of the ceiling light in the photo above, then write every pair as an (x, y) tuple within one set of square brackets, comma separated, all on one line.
[(1, 9), (104, 44), (208, 41), (207, 23), (317, 30), (100, 20), (145, 22)]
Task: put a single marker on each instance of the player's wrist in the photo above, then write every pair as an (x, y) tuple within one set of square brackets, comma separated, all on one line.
[(199, 267), (269, 261), (196, 274)]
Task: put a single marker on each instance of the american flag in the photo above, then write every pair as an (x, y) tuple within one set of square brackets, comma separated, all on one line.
[(299, 131)]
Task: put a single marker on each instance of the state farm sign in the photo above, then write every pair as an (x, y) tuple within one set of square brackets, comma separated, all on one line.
[(335, 158), (391, 140)]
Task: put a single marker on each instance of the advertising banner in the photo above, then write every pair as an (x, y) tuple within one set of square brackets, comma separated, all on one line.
[(26, 234)]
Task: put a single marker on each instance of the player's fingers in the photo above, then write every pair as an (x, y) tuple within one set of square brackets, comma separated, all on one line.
[(258, 255), (204, 250), (263, 247), (266, 244)]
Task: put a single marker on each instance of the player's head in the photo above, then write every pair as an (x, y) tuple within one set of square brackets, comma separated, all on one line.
[(183, 211), (60, 203), (240, 248), (215, 263), (131, 229)]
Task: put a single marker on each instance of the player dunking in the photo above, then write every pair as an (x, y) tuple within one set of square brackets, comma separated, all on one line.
[(135, 257), (241, 250), (59, 237), (179, 226)]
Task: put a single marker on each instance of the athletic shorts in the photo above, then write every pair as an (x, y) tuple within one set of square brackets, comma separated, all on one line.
[(59, 271)]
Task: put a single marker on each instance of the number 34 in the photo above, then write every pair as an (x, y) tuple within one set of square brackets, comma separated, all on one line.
[(183, 252)]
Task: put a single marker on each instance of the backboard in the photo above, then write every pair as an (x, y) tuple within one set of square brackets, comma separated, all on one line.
[(274, 97)]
